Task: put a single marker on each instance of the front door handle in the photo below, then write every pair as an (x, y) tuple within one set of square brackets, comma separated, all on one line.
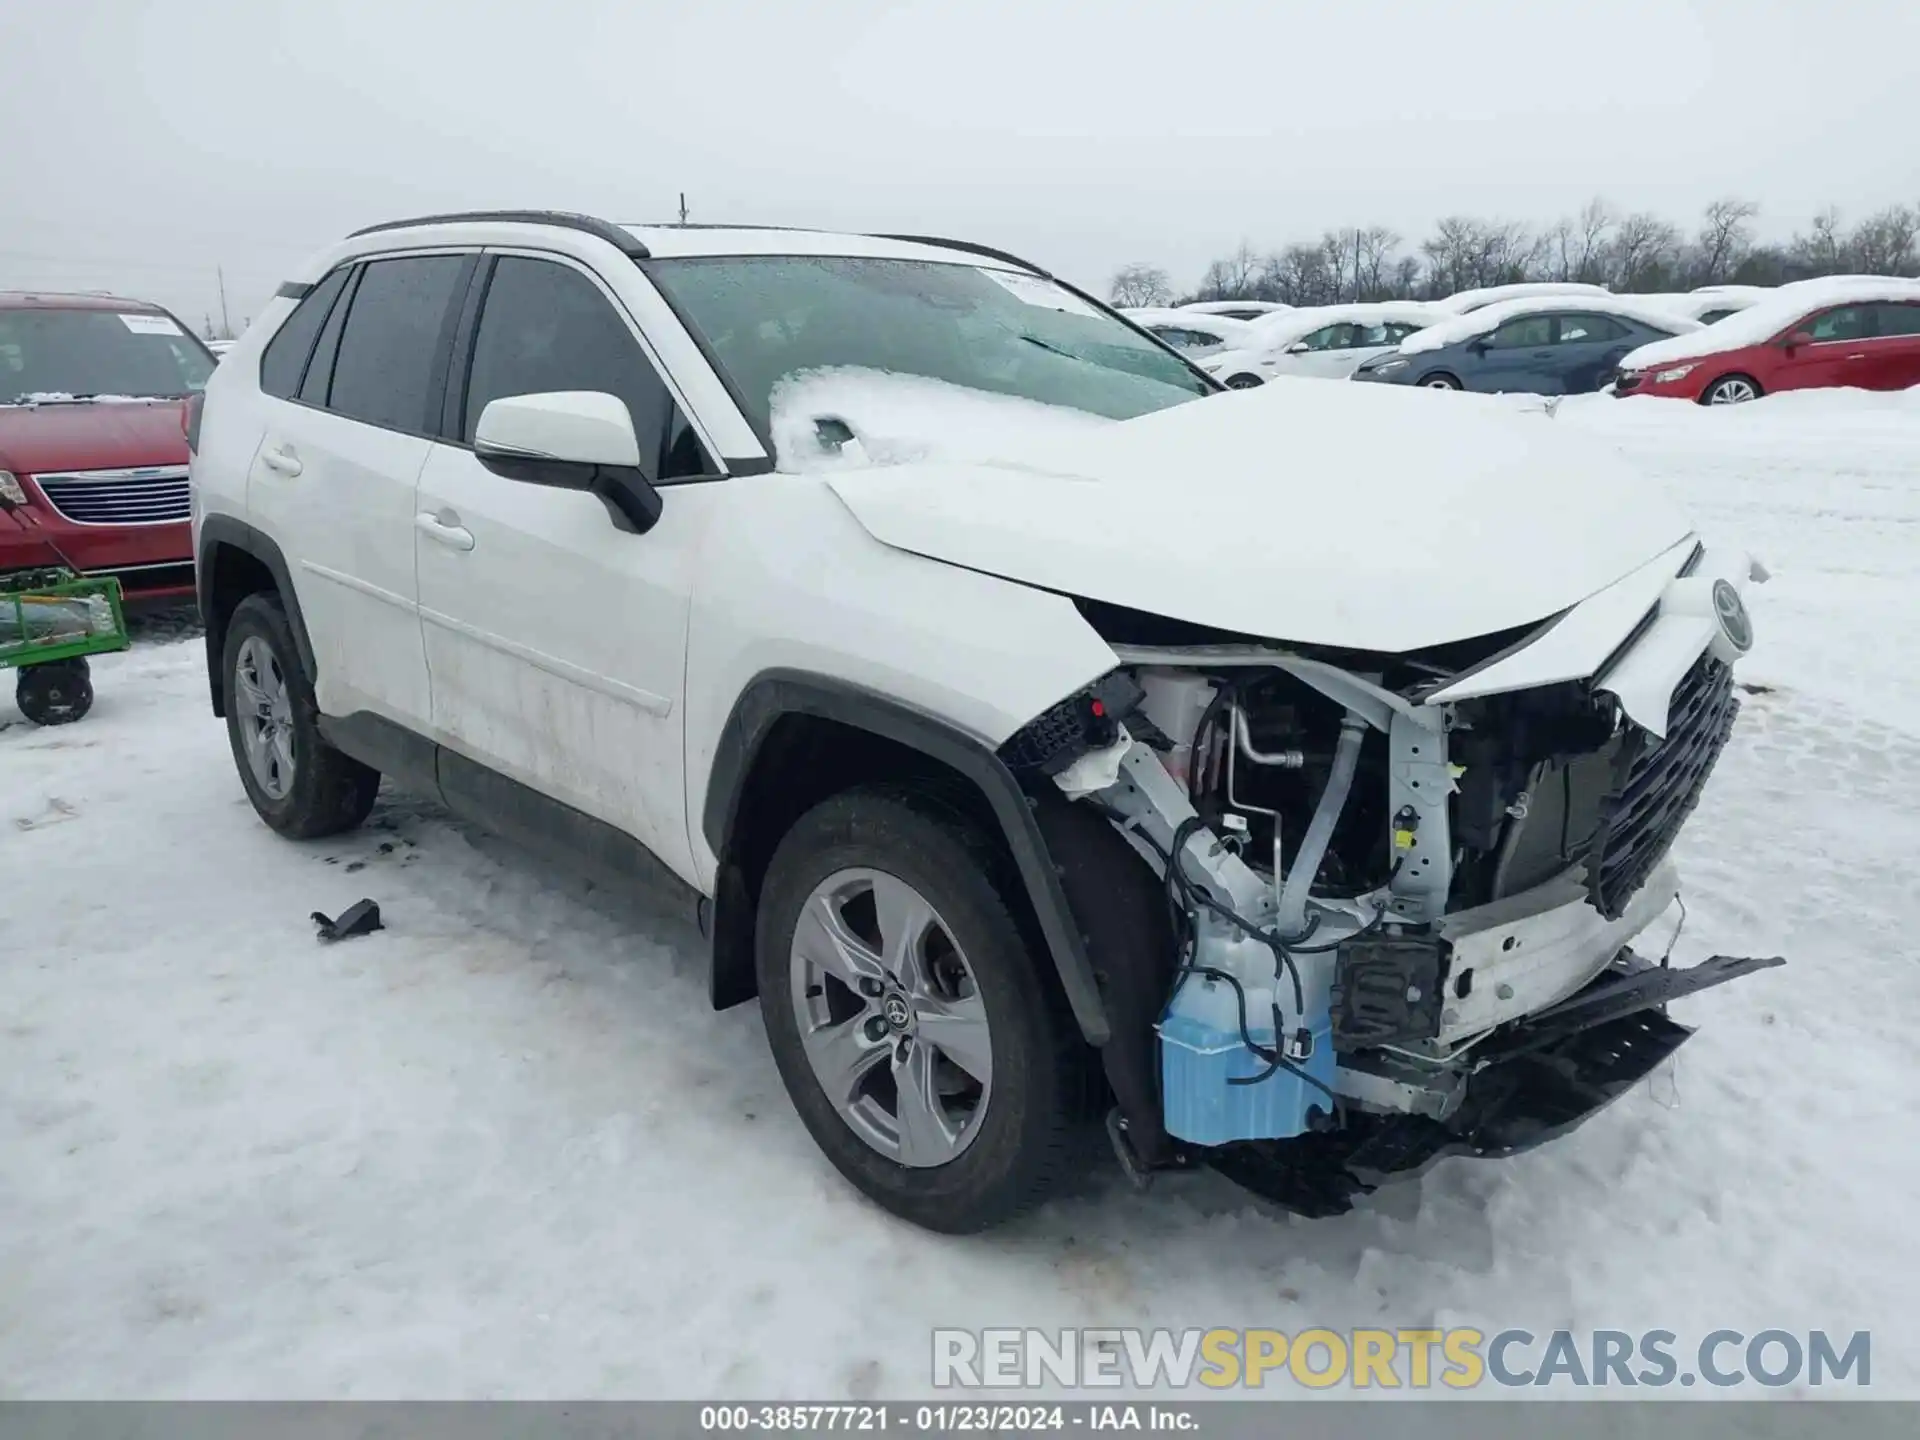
[(446, 532), (282, 459)]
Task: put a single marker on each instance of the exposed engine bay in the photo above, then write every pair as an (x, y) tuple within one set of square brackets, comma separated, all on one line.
[(1400, 929)]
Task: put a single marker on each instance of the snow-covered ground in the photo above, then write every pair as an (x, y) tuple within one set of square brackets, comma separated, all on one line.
[(504, 1149)]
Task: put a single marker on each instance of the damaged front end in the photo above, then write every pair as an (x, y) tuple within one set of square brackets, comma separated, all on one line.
[(1370, 914)]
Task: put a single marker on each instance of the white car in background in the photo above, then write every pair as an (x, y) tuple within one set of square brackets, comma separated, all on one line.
[(1467, 301), (1192, 333), (1328, 341), (1710, 304), (1237, 309)]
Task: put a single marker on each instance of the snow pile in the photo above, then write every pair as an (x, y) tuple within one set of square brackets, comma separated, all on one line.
[(1466, 300), (1760, 323), (900, 419), (62, 397), (1489, 318), (1226, 307)]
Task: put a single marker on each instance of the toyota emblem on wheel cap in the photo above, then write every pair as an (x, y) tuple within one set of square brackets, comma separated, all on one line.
[(1732, 611), (896, 1012)]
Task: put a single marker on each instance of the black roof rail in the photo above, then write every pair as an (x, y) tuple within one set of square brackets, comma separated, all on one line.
[(620, 239), (970, 248)]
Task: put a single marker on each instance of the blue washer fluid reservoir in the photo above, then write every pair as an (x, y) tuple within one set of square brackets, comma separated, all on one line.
[(1201, 1049)]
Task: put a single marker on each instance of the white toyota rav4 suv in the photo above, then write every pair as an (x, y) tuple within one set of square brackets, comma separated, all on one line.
[(1042, 732)]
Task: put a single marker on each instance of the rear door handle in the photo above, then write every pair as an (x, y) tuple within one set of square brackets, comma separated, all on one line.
[(444, 532), (282, 459)]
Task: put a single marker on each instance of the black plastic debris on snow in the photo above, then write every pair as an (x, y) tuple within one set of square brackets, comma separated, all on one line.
[(360, 918)]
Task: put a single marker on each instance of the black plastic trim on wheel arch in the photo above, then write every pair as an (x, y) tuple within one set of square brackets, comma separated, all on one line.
[(777, 693), (218, 530)]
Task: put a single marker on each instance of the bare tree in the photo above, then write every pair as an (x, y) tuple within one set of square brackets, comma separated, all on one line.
[(1726, 234), (1139, 285), (1643, 254), (1821, 250), (1465, 254), (1231, 277), (1887, 243), (1577, 245)]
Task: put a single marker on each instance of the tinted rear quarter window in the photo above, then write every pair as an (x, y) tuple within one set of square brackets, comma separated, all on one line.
[(285, 357), (545, 327), (1894, 318), (384, 371)]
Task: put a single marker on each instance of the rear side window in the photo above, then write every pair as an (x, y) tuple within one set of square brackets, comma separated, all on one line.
[(285, 357), (545, 327), (384, 371), (1523, 333), (1896, 319)]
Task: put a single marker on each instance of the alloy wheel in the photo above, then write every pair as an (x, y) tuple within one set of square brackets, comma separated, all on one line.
[(266, 717), (891, 1017)]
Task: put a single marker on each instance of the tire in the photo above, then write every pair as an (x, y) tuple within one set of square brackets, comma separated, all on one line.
[(1439, 380), (55, 694), (1735, 390), (307, 789), (1033, 1095), (1244, 382)]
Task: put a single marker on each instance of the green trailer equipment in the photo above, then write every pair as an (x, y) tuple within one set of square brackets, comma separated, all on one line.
[(50, 622)]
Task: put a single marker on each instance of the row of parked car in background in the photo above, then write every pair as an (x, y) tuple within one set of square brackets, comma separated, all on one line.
[(1718, 345), (93, 459)]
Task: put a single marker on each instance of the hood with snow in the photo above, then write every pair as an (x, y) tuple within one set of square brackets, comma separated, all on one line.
[(1383, 520)]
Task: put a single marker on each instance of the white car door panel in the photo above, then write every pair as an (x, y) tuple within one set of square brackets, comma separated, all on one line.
[(556, 643), (555, 640)]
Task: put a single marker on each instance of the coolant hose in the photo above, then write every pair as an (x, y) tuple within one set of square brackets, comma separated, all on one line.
[(1313, 847)]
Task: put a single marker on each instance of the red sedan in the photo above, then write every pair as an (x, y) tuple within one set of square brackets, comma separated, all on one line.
[(1861, 344)]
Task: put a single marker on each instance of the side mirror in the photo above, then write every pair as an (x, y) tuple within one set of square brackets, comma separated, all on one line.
[(1298, 347), (570, 440), (1799, 338)]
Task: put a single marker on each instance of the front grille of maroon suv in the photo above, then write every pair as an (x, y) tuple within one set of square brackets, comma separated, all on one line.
[(154, 495)]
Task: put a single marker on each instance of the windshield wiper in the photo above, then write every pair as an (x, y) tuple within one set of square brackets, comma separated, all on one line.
[(1053, 349)]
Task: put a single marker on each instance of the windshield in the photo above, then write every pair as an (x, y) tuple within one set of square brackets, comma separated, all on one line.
[(81, 353), (765, 318)]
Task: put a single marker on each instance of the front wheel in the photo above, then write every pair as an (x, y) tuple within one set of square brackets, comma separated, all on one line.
[(54, 694), (1243, 382), (1731, 390), (909, 1019), (1439, 382)]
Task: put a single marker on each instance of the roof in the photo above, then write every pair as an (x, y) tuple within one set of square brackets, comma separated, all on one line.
[(1488, 318), (644, 241), (87, 300)]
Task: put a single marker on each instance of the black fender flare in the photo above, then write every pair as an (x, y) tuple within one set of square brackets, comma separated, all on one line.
[(224, 530), (777, 693)]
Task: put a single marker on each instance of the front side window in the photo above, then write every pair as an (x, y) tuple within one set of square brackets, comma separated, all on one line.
[(1849, 322), (383, 371), (546, 327), (1590, 329), (1524, 333), (82, 353), (764, 318)]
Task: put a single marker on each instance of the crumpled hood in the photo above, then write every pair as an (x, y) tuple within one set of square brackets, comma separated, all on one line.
[(96, 435), (1311, 511)]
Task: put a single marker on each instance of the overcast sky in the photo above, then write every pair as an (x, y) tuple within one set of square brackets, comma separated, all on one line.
[(142, 142)]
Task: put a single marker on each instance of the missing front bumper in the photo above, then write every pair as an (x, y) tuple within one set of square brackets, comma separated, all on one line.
[(1535, 1082)]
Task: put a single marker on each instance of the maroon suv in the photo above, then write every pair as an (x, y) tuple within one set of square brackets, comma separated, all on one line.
[(93, 454)]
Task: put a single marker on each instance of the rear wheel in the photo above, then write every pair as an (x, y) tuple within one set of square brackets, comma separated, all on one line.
[(1731, 390), (299, 784), (55, 694), (907, 1015)]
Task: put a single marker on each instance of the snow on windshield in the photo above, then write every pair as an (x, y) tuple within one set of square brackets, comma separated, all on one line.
[(1489, 318), (898, 419), (1759, 323)]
